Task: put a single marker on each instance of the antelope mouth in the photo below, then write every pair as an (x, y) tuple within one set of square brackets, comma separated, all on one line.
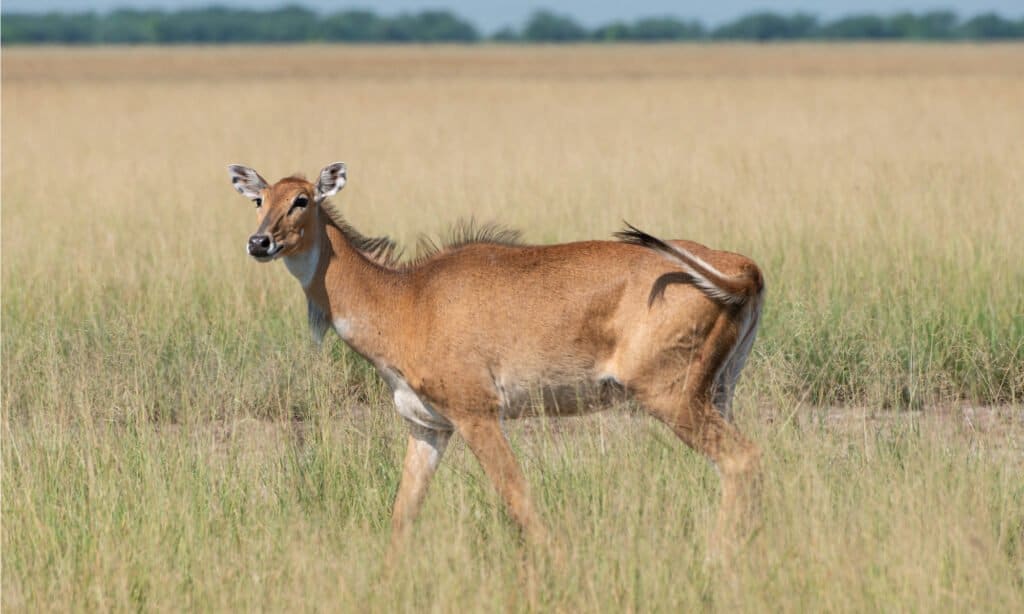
[(266, 254)]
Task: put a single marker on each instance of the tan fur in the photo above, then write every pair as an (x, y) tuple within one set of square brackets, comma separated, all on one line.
[(477, 331)]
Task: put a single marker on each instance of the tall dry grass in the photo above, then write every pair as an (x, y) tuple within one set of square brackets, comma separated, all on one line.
[(170, 442)]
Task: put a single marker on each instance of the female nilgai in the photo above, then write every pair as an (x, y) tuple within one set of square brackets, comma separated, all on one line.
[(486, 329)]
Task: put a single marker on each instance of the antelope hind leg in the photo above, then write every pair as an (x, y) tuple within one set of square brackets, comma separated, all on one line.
[(738, 460)]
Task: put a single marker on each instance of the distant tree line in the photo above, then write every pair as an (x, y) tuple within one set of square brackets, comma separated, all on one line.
[(219, 25)]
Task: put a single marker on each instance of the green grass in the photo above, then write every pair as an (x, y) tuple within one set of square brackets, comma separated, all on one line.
[(908, 513)]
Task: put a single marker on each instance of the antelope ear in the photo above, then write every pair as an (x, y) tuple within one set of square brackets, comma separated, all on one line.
[(332, 179), (247, 181)]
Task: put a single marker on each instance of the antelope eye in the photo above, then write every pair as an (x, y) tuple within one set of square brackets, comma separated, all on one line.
[(300, 201), (258, 201)]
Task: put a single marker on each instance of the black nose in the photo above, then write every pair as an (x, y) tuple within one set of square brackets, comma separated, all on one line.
[(259, 244)]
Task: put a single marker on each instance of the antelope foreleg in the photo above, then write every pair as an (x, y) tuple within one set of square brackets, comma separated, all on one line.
[(488, 443), (422, 455)]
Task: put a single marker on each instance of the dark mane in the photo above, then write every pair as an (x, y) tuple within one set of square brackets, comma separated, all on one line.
[(382, 250), (466, 232), (385, 252)]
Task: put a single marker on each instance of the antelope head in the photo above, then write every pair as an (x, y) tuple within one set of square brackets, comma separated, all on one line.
[(287, 210)]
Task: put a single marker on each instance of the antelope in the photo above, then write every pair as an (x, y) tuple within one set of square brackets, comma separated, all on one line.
[(485, 329)]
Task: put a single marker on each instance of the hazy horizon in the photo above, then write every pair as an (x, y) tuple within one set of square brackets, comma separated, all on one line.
[(492, 16)]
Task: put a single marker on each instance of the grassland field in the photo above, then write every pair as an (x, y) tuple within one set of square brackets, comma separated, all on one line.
[(171, 442)]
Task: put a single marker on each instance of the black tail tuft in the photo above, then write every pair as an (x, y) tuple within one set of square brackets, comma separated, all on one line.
[(634, 236), (716, 285)]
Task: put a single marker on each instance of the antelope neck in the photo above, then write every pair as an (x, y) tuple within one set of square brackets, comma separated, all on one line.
[(356, 296)]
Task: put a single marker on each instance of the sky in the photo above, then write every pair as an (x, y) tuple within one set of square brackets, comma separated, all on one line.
[(493, 15)]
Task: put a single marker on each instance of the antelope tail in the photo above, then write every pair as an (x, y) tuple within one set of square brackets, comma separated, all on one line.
[(731, 290)]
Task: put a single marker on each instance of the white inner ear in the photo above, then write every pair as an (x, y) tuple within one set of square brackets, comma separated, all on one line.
[(247, 191), (247, 182), (332, 179)]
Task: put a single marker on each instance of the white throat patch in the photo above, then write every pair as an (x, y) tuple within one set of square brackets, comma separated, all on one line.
[(303, 266)]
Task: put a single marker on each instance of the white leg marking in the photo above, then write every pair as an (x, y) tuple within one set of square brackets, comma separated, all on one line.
[(430, 445), (411, 407), (343, 326)]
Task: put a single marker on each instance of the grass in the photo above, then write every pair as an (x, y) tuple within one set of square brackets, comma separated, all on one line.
[(919, 513), (170, 441)]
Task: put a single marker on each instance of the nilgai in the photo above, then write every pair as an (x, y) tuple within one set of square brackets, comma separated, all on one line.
[(485, 329)]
